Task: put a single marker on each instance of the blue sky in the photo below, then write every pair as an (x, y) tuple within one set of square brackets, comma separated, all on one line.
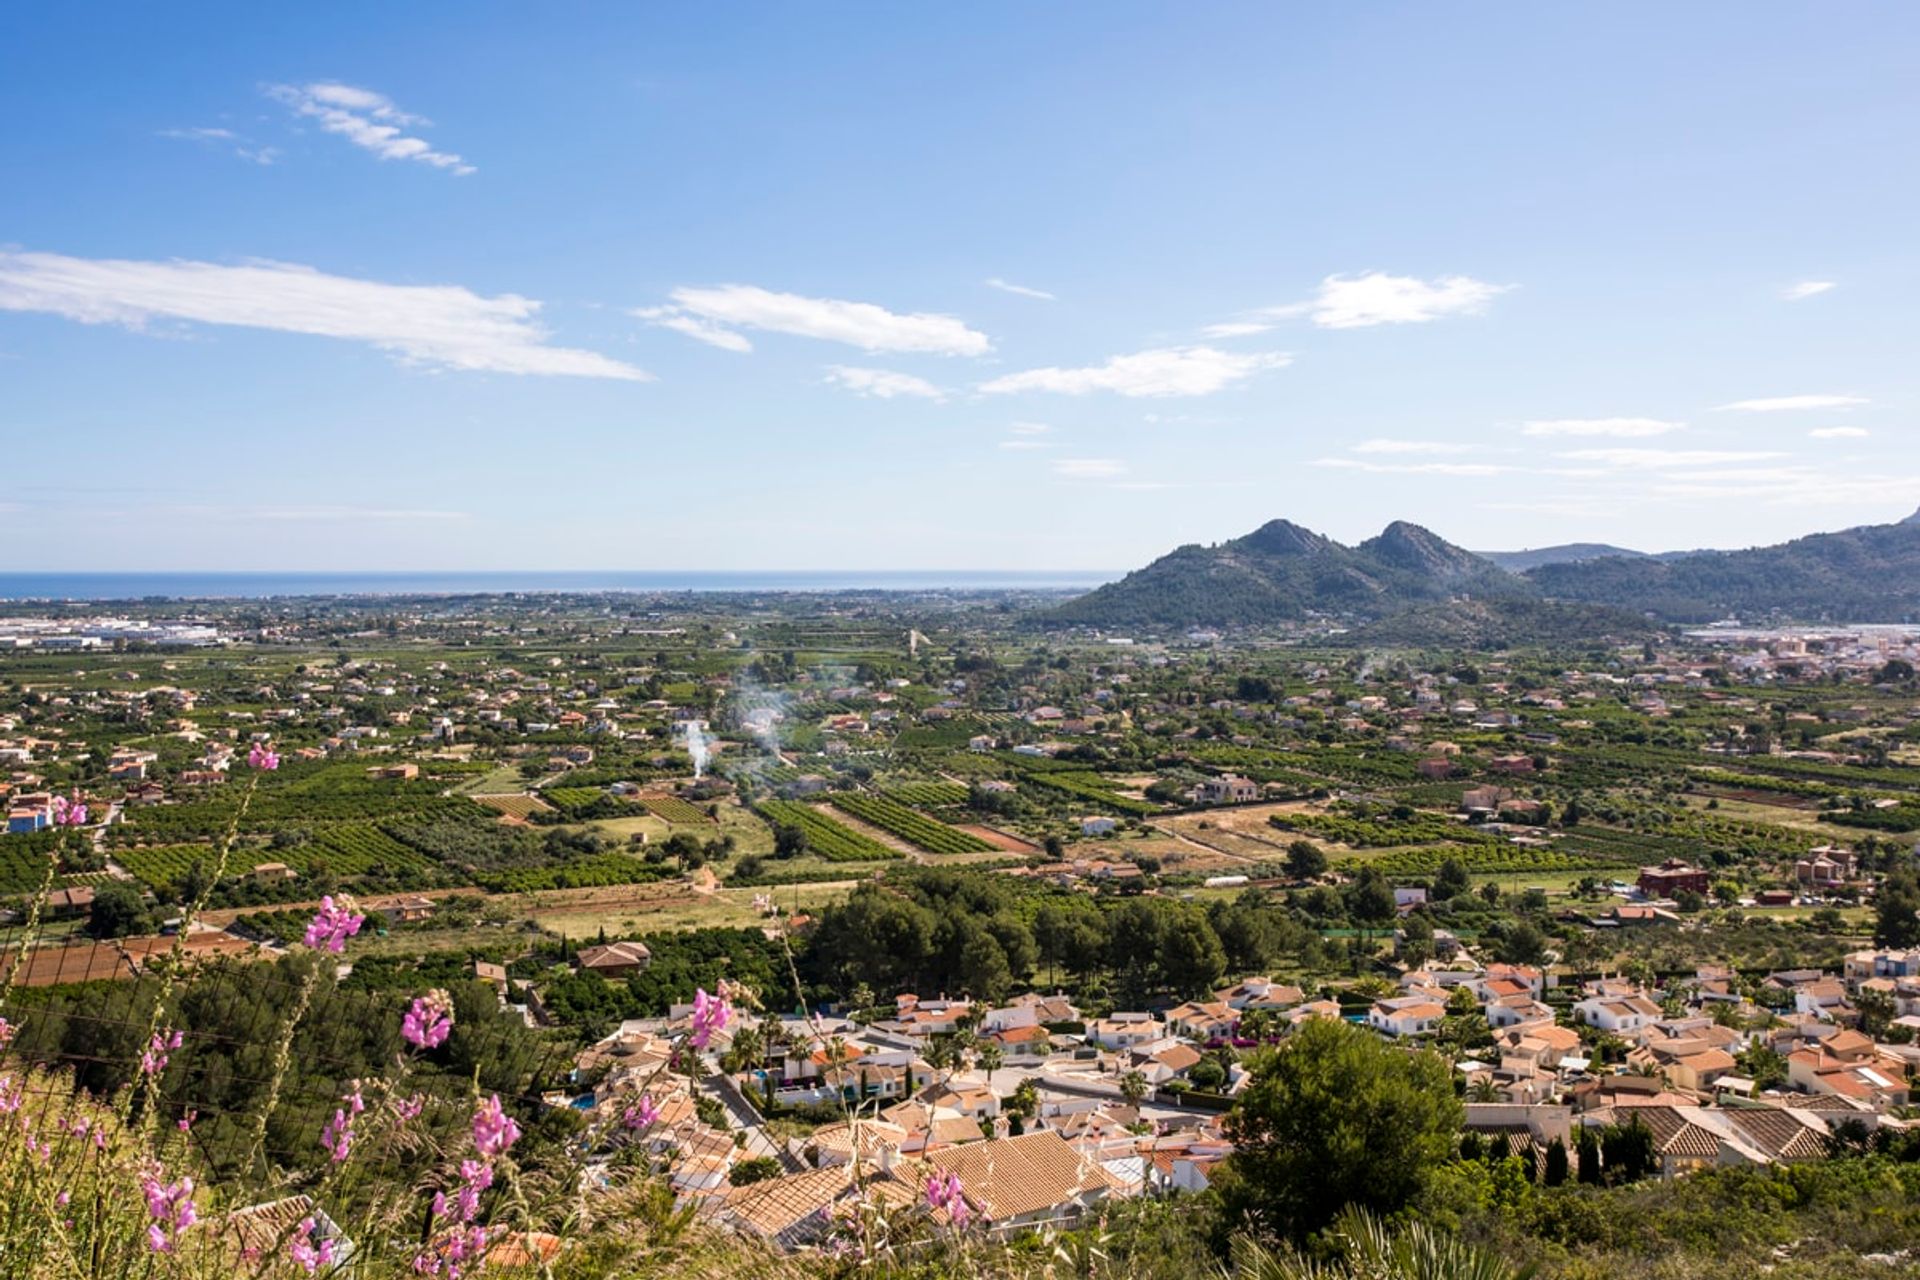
[(494, 285)]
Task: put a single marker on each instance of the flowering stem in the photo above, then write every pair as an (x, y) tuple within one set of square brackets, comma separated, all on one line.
[(150, 1085), (282, 1056)]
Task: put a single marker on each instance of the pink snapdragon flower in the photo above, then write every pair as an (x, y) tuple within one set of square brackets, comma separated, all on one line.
[(307, 1251), (493, 1129), (710, 1014), (262, 756), (154, 1060), (408, 1108), (69, 813), (7, 1032), (170, 1206), (428, 1022), (641, 1115), (335, 923), (944, 1192), (337, 1138)]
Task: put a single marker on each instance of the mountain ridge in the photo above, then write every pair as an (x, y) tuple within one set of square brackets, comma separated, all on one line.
[(1284, 572)]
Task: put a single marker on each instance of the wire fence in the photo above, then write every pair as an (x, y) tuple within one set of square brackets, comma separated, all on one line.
[(270, 1044)]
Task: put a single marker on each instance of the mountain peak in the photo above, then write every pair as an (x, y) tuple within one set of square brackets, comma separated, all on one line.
[(1284, 538), (1421, 550), (1912, 519)]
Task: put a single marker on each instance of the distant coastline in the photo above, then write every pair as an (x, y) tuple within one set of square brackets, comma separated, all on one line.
[(105, 586)]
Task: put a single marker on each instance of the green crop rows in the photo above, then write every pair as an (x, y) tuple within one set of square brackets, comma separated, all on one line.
[(827, 838), (910, 825)]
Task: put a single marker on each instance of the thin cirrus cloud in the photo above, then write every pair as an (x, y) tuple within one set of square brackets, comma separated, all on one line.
[(1839, 433), (1664, 459), (368, 120), (882, 384), (1089, 468), (1167, 371), (1027, 435), (1461, 469), (1377, 298), (1621, 428), (1236, 329), (1806, 289), (1788, 404), (439, 326), (225, 139), (715, 315), (1019, 290), (1410, 446)]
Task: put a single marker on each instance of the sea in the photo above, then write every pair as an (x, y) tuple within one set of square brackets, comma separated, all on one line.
[(255, 586)]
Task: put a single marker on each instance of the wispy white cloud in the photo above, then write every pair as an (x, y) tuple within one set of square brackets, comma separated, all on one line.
[(1169, 371), (883, 384), (715, 315), (1787, 404), (1463, 469), (1661, 459), (1376, 298), (225, 139), (1623, 428), (1236, 329), (445, 326), (1089, 468), (1410, 446), (694, 327), (1007, 286), (1839, 433), (1806, 289), (1030, 428), (368, 120)]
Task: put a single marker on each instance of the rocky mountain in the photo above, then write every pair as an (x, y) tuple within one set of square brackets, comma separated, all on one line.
[(1282, 572)]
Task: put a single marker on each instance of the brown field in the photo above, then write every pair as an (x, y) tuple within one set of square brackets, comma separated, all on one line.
[(997, 838)]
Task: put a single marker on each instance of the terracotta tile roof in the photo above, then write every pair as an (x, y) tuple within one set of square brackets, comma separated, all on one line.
[(1013, 1177)]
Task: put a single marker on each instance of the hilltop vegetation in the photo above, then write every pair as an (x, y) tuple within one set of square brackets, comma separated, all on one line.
[(1282, 573)]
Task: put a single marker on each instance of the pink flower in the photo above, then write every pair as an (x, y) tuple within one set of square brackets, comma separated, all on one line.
[(7, 1032), (186, 1121), (428, 1022), (69, 813), (408, 1108), (154, 1060), (475, 1177), (337, 1137), (710, 1014), (170, 1205), (331, 928), (944, 1192), (262, 756), (493, 1129), (308, 1252), (641, 1115)]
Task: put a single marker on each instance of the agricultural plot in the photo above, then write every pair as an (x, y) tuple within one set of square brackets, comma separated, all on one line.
[(1383, 833), (1485, 859), (909, 824), (1091, 788), (675, 810), (582, 873), (515, 806), (829, 839), (164, 865), (571, 800), (929, 795)]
